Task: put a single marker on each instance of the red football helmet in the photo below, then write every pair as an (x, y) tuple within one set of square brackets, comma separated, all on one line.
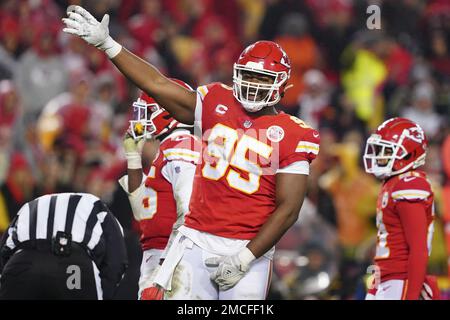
[(396, 146), (150, 120), (263, 58)]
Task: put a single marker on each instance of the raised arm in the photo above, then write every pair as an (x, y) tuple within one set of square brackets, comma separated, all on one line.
[(177, 100)]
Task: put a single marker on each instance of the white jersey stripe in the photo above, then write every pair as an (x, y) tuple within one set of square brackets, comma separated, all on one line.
[(410, 194), (308, 144), (97, 231), (61, 206), (42, 217), (307, 150), (23, 224), (98, 281), (81, 216), (308, 147), (185, 154)]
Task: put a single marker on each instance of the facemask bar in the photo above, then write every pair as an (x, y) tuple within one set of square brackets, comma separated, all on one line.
[(141, 126), (376, 151), (242, 88)]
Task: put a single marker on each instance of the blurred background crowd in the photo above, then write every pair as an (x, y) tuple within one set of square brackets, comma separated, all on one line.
[(64, 109)]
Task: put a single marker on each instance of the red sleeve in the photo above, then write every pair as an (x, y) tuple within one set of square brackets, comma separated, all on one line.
[(305, 148), (414, 222), (181, 148), (206, 99)]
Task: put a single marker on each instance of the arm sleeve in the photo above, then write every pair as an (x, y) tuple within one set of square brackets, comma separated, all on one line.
[(181, 175), (414, 223), (135, 197), (305, 147), (299, 167), (115, 261)]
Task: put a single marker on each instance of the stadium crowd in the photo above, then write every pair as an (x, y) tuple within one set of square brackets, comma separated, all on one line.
[(63, 112)]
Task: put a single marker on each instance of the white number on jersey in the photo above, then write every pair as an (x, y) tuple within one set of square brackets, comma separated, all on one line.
[(224, 151)]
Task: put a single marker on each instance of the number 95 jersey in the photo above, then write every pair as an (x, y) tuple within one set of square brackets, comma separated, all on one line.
[(234, 187)]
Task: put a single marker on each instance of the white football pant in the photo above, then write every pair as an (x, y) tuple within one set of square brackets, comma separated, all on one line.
[(191, 279)]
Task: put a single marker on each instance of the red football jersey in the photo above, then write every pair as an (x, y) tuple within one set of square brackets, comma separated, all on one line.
[(234, 187), (392, 249), (159, 204)]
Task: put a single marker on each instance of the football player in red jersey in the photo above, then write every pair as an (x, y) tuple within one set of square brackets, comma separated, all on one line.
[(160, 196), (252, 181), (405, 212)]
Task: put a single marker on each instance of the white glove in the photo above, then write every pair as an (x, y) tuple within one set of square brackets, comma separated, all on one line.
[(230, 269), (81, 23), (426, 293), (133, 151)]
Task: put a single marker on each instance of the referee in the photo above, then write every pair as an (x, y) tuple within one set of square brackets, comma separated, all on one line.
[(62, 246)]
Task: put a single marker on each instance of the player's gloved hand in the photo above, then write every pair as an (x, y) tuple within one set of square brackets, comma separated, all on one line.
[(426, 293), (230, 269), (152, 293), (133, 151), (430, 289), (81, 23)]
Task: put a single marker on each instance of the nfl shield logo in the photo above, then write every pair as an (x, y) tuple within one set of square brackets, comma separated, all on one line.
[(247, 124)]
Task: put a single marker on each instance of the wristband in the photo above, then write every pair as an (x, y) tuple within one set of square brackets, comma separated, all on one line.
[(134, 161), (111, 47), (246, 256)]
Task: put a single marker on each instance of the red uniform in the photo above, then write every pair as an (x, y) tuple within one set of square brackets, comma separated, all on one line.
[(158, 202), (392, 252), (234, 188)]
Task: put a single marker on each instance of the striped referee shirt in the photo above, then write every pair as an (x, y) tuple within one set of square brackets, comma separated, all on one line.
[(85, 217)]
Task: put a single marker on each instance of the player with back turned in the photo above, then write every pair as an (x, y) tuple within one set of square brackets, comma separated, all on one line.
[(251, 183)]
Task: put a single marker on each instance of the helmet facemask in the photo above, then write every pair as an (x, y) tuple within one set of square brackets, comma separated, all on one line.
[(142, 125), (381, 156), (256, 95)]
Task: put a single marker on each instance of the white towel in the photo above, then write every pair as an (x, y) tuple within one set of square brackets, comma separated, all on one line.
[(175, 253)]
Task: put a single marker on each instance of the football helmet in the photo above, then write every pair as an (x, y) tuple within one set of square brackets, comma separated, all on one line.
[(150, 120), (396, 146), (261, 59)]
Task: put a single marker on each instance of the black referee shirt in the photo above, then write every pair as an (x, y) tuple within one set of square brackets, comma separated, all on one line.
[(85, 217)]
